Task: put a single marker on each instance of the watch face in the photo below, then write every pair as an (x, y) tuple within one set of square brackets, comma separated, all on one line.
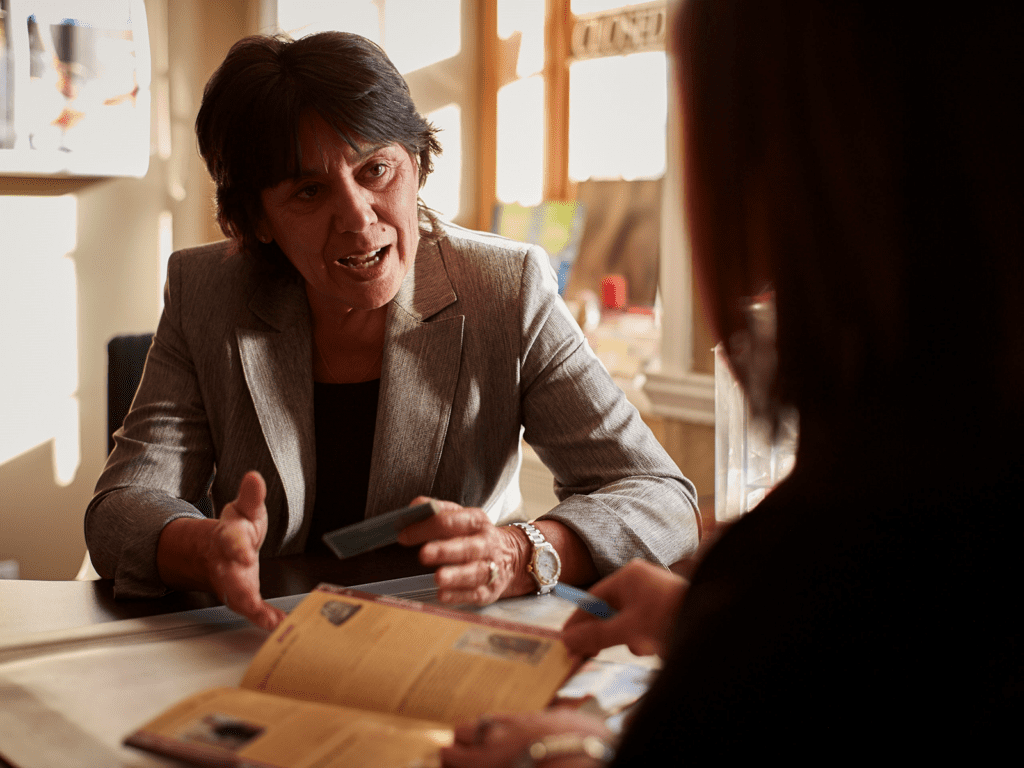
[(547, 566)]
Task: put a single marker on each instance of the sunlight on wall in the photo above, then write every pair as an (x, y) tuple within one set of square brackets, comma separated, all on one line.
[(165, 245), (418, 34), (39, 318), (398, 26), (305, 17)]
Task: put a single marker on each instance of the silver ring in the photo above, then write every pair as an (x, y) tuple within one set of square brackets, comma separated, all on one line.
[(493, 575)]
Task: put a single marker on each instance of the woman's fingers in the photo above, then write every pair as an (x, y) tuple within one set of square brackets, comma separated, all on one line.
[(234, 553), (254, 608), (647, 598), (454, 535), (479, 582), (266, 616), (239, 589), (476, 561), (450, 522), (243, 522), (590, 638), (495, 741), (463, 549), (479, 573), (252, 492)]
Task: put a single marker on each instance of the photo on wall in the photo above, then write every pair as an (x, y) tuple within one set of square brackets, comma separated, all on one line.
[(74, 95)]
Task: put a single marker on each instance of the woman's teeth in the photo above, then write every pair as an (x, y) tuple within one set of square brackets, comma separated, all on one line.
[(362, 262)]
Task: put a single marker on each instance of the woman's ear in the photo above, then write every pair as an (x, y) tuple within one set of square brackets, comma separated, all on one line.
[(263, 232)]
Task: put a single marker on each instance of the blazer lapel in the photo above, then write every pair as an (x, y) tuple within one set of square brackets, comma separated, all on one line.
[(276, 359), (419, 375)]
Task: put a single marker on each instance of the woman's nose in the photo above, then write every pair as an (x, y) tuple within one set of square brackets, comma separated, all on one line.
[(353, 208)]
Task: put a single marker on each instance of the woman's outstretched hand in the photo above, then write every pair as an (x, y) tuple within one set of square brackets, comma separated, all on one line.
[(234, 558), (223, 556), (647, 598)]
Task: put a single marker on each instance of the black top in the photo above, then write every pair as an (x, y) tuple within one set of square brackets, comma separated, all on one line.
[(865, 611), (345, 416)]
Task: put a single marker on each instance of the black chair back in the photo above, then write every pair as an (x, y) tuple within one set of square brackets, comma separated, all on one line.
[(126, 357)]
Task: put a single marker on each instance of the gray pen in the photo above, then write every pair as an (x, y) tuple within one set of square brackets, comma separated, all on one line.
[(584, 600)]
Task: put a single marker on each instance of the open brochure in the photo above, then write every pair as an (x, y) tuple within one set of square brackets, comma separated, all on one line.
[(352, 679)]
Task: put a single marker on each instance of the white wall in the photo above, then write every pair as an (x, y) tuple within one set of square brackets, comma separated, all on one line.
[(114, 225)]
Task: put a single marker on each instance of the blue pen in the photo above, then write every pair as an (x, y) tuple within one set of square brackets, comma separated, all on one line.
[(584, 600)]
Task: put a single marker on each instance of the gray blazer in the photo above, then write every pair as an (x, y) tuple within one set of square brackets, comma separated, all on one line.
[(479, 351)]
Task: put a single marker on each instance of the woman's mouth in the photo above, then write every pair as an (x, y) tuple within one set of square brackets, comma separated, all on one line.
[(364, 261)]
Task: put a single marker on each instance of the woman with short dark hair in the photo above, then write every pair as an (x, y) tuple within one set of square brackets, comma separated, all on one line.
[(253, 102), (346, 352)]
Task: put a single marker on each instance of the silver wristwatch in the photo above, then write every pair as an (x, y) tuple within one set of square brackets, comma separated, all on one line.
[(545, 565)]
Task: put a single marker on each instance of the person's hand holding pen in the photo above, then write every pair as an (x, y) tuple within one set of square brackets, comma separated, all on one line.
[(646, 598)]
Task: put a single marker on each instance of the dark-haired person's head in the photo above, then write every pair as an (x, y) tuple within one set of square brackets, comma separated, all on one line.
[(867, 167), (249, 122)]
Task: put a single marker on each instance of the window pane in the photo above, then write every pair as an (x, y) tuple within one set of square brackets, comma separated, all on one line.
[(617, 115), (521, 142), (526, 18), (305, 17)]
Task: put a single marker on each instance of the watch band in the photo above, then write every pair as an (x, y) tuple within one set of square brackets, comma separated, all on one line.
[(542, 549), (536, 537)]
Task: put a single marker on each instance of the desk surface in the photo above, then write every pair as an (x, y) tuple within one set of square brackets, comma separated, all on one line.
[(44, 606), (70, 695)]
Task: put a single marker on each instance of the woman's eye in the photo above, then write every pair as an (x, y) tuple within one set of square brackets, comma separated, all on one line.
[(376, 170), (308, 191)]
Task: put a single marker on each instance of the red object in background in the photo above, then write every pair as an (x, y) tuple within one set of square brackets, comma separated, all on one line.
[(614, 292)]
